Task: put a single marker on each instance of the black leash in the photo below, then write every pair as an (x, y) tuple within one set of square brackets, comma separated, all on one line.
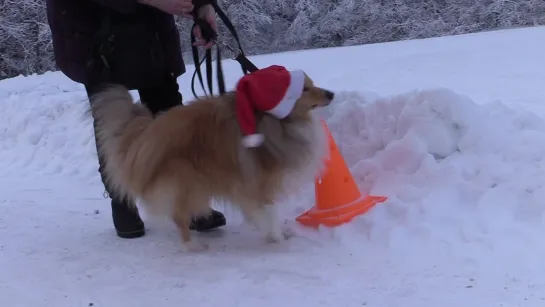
[(209, 35)]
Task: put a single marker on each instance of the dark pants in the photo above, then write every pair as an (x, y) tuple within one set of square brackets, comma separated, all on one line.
[(157, 99)]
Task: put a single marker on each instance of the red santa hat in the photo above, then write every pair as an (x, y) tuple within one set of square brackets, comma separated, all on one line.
[(273, 90)]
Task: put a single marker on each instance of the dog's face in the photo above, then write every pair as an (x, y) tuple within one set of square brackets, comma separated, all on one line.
[(312, 97)]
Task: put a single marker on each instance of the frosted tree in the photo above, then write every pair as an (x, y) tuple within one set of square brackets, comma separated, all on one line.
[(25, 39), (282, 25)]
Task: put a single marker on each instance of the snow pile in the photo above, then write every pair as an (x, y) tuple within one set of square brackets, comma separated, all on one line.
[(43, 128), (462, 179), (463, 224), (438, 150)]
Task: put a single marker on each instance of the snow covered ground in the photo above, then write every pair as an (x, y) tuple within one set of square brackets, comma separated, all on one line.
[(450, 129)]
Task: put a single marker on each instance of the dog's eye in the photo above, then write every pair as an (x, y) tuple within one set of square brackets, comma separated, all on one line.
[(305, 89)]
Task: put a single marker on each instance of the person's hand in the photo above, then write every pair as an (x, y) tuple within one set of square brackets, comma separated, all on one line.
[(208, 14), (174, 7)]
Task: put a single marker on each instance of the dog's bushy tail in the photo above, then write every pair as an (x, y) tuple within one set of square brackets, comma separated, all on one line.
[(119, 122)]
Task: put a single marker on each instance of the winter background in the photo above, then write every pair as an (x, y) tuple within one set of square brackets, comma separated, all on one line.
[(451, 129), (279, 25)]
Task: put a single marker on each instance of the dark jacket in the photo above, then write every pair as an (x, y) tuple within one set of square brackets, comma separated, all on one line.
[(145, 45)]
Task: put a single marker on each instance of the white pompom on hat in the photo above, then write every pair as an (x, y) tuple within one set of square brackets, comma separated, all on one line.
[(274, 90)]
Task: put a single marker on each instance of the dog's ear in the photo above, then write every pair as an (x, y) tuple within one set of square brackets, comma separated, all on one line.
[(308, 81)]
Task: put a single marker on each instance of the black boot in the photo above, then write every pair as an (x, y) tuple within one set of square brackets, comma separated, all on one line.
[(208, 223), (127, 221)]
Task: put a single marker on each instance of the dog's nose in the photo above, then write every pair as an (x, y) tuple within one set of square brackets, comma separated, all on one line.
[(329, 95)]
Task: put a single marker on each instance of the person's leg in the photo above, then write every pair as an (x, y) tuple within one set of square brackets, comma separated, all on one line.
[(127, 221), (159, 99)]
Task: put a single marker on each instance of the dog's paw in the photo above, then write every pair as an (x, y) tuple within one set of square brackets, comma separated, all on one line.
[(274, 237), (288, 232), (280, 234), (195, 246)]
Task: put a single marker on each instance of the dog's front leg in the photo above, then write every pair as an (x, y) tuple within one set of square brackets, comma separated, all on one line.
[(268, 221), (183, 220)]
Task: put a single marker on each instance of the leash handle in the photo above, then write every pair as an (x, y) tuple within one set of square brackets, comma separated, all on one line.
[(206, 30), (208, 34)]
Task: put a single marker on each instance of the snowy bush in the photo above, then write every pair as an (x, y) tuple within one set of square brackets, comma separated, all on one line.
[(25, 38), (275, 25)]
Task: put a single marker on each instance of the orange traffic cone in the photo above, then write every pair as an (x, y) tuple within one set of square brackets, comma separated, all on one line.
[(338, 198)]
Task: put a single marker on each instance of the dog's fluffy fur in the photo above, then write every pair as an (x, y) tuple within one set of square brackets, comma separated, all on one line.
[(177, 161)]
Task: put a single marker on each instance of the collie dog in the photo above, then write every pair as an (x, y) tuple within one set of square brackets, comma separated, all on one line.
[(177, 161)]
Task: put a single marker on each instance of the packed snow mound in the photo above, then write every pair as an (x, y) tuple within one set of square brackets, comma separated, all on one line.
[(404, 133), (45, 131), (434, 147), (461, 179)]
